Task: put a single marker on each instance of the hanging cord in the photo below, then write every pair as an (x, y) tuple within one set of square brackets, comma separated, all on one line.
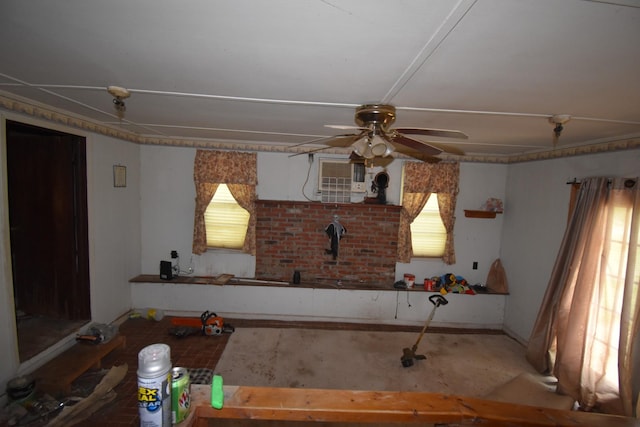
[(306, 181), (397, 303)]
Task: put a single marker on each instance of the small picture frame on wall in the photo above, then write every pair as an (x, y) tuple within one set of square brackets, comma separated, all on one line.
[(119, 176)]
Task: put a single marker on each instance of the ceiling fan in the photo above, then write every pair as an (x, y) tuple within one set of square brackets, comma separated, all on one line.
[(376, 138)]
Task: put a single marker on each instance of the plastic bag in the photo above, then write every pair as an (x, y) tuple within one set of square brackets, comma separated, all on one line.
[(497, 278)]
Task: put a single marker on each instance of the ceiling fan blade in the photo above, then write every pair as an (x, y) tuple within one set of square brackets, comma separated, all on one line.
[(345, 140), (415, 145), (340, 141), (308, 152), (442, 133), (429, 159), (345, 127), (446, 148), (311, 141)]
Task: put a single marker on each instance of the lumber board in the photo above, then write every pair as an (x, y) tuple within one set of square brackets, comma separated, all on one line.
[(358, 407), (222, 279), (55, 377)]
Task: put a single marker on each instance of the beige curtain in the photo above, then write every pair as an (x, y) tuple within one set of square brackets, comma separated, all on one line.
[(420, 180), (239, 172), (586, 332)]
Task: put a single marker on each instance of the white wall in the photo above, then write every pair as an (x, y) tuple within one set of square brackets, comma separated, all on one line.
[(168, 200), (167, 203), (293, 303), (476, 239), (535, 219), (114, 226), (114, 241)]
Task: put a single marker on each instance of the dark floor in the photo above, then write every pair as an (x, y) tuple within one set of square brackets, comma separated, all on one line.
[(194, 351)]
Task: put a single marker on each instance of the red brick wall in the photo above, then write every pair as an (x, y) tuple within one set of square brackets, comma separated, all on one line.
[(290, 236)]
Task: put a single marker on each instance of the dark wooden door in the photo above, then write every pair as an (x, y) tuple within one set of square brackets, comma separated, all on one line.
[(48, 220)]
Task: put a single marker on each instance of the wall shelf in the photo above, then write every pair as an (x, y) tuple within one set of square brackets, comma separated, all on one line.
[(480, 214)]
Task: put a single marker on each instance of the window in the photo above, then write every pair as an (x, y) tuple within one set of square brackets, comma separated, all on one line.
[(225, 220), (212, 169), (421, 181), (585, 333), (428, 235)]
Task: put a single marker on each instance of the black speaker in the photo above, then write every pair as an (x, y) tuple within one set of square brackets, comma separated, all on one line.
[(166, 270)]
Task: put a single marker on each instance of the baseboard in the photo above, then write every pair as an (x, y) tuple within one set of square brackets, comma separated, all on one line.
[(515, 336), (279, 321)]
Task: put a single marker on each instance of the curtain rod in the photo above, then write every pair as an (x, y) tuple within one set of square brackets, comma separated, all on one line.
[(629, 182)]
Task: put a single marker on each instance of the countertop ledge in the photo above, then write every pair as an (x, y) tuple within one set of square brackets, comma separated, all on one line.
[(318, 284)]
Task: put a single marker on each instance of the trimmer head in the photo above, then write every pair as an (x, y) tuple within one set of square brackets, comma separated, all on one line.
[(407, 358), (408, 355)]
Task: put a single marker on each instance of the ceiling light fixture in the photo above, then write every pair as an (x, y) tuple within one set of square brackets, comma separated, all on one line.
[(372, 146), (363, 148), (380, 146), (119, 95), (558, 120)]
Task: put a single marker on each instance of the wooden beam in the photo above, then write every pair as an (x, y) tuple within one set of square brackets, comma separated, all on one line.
[(55, 377), (353, 406)]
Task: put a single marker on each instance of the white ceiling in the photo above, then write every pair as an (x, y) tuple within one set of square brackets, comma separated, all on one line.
[(275, 72)]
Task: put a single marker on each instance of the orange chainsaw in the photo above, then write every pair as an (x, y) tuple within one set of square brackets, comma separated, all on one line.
[(208, 324)]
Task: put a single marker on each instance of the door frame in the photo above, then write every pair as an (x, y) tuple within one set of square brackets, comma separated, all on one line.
[(81, 278)]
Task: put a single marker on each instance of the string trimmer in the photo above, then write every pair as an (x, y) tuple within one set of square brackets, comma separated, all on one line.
[(409, 354)]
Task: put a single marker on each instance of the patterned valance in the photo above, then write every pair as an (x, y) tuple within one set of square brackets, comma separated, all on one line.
[(420, 177), (227, 167)]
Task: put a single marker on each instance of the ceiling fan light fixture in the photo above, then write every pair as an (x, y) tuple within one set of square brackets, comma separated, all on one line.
[(368, 154), (379, 146), (360, 146), (379, 149)]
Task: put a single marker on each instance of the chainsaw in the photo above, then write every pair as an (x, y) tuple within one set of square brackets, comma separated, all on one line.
[(208, 324)]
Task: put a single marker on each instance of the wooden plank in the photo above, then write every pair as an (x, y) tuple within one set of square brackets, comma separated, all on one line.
[(57, 375), (222, 279), (102, 394), (353, 406), (479, 214)]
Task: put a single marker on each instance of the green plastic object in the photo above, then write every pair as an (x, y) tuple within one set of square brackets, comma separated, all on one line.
[(217, 395)]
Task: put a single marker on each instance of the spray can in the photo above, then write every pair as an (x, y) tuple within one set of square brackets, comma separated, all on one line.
[(154, 386)]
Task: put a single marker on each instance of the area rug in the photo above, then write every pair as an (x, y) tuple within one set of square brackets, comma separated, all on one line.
[(461, 364)]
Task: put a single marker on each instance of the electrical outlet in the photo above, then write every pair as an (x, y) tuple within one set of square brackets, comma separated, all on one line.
[(174, 254), (310, 157), (358, 187), (475, 265)]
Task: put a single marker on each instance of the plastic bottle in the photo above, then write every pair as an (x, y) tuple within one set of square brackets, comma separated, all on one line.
[(148, 313)]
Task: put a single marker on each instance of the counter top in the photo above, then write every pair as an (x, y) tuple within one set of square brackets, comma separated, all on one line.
[(318, 283)]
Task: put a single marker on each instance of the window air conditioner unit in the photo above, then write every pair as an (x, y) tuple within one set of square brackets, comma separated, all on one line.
[(339, 178)]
